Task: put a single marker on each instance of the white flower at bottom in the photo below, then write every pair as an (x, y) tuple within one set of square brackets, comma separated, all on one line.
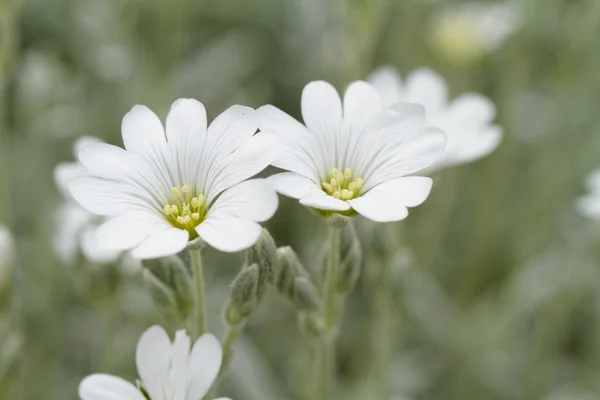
[(588, 205), (76, 227), (168, 371), (173, 185), (353, 157), (467, 120)]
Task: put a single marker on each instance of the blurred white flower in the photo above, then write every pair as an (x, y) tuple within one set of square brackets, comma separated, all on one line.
[(467, 120), (466, 31), (588, 205), (76, 227), (166, 190), (168, 371), (7, 255), (353, 157)]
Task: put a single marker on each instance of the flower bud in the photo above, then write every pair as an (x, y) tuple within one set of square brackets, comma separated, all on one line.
[(293, 281), (290, 268), (264, 254), (305, 295), (243, 298), (162, 296), (172, 273)]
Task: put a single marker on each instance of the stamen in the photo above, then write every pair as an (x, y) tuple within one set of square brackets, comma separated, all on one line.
[(342, 185), (185, 210)]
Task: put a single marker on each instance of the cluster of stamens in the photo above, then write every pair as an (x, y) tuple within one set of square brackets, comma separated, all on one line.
[(342, 186), (186, 211)]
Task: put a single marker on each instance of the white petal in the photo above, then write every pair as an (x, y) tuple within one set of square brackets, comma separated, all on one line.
[(114, 163), (83, 141), (204, 364), (229, 234), (250, 159), (71, 222), (362, 103), (589, 206), (161, 242), (388, 83), (294, 185), (471, 145), (142, 131), (93, 251), (106, 197), (231, 129), (466, 111), (186, 123), (426, 87), (65, 173), (324, 202), (179, 365), (129, 229), (374, 210), (405, 120), (388, 201), (108, 387), (254, 200), (299, 150), (321, 108), (412, 156), (153, 358)]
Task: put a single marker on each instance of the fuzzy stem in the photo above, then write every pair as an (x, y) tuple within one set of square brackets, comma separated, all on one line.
[(324, 357), (196, 259), (231, 334)]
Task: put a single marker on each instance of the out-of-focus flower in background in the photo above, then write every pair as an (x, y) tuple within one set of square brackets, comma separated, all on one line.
[(464, 32), (76, 227), (162, 194), (588, 205), (7, 255), (466, 120), (168, 371), (355, 155)]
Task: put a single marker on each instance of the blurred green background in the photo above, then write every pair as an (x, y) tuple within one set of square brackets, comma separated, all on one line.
[(494, 281)]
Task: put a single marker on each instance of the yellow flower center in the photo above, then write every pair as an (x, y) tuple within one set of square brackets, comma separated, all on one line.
[(186, 211), (457, 38), (343, 186)]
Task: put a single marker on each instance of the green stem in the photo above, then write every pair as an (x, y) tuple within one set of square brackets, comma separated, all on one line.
[(324, 356), (196, 258), (231, 335)]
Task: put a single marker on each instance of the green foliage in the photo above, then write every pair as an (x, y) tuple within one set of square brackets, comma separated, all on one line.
[(494, 279)]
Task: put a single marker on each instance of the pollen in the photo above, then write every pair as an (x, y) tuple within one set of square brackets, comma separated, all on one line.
[(342, 185), (185, 209)]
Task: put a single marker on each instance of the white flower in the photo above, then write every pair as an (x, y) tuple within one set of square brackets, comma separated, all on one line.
[(353, 157), (168, 371), (467, 120), (76, 227), (165, 190), (589, 204), (464, 32), (7, 254)]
